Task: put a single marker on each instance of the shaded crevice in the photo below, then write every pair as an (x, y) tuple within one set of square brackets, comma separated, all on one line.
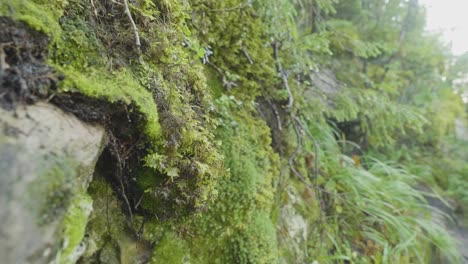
[(352, 132), (274, 114), (122, 157)]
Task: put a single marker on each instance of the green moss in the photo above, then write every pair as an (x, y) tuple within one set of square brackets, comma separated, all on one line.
[(213, 82), (238, 226), (41, 15), (171, 249), (74, 226), (81, 58), (119, 86), (256, 243), (184, 168), (109, 234), (247, 38), (94, 57), (107, 221)]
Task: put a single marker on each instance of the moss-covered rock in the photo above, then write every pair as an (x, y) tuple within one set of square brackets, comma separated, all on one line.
[(238, 226), (110, 237), (48, 157), (74, 225)]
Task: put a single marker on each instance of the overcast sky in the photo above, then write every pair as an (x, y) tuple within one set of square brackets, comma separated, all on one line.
[(451, 18)]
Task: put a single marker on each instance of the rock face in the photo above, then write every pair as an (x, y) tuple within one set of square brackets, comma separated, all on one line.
[(444, 215), (47, 159), (294, 227)]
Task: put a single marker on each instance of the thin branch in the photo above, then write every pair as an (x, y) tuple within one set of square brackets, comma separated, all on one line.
[(117, 3), (135, 31), (138, 202), (216, 68), (278, 118), (107, 210), (94, 8), (283, 75), (140, 231), (120, 175), (244, 50), (291, 160), (316, 146), (227, 84), (260, 112), (412, 10)]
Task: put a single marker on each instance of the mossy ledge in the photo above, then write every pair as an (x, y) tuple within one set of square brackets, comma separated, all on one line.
[(101, 73), (163, 159), (222, 145)]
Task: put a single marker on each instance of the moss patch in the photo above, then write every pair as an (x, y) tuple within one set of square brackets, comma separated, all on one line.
[(171, 249), (91, 46), (74, 226)]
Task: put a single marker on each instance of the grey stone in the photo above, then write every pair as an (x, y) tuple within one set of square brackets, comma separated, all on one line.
[(46, 156), (295, 227)]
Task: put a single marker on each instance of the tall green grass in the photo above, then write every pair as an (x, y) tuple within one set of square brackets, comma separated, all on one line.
[(376, 214)]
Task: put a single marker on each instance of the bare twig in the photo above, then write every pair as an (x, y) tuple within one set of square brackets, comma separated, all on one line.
[(120, 175), (94, 8), (299, 175), (244, 50), (226, 83), (216, 68), (412, 11), (107, 210), (278, 118), (139, 201), (50, 97), (135, 31), (260, 112), (283, 75), (140, 231), (292, 158), (117, 3)]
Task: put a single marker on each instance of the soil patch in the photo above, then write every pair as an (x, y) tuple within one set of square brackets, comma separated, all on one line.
[(24, 75)]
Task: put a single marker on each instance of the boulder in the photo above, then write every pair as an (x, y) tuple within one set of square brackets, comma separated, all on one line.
[(47, 160)]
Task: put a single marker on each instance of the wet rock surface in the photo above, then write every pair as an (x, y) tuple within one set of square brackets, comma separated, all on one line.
[(454, 224)]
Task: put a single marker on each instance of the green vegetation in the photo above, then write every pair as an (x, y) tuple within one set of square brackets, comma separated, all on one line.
[(338, 113), (238, 225), (74, 226)]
